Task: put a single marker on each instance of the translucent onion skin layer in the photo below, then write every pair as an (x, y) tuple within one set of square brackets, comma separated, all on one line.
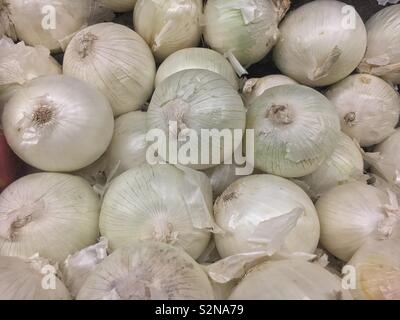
[(320, 49), (289, 280), (296, 130), (52, 214), (148, 271)]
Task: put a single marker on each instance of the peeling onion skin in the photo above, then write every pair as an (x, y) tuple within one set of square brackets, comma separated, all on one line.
[(296, 130), (368, 107), (119, 5), (115, 60), (315, 49), (20, 280), (147, 271), (289, 280), (52, 214)]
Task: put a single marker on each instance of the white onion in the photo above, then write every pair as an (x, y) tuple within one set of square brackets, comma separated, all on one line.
[(353, 213), (246, 29), (383, 51), (369, 108), (296, 130), (197, 100), (48, 22), (161, 203), (344, 165), (147, 271), (168, 25), (116, 60), (255, 87), (377, 270), (265, 213), (289, 280), (52, 214), (318, 45), (58, 123), (119, 5), (197, 58), (24, 279)]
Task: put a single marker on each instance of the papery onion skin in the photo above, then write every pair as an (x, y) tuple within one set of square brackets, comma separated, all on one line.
[(58, 123), (198, 100), (296, 130), (117, 61), (257, 199), (289, 280), (344, 165), (22, 280), (197, 58), (156, 203), (147, 271), (119, 5), (52, 214), (168, 25), (318, 49), (368, 107), (377, 271), (383, 52), (249, 29), (350, 215)]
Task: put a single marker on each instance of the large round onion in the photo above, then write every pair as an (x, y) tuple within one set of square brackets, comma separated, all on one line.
[(265, 213), (147, 271), (58, 123), (116, 60), (52, 214), (369, 107), (318, 45), (296, 130)]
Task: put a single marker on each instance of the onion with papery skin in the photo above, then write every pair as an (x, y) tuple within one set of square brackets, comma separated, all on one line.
[(52, 214), (197, 58), (255, 87), (353, 213), (58, 123), (197, 100), (148, 271), (383, 52), (265, 213), (160, 203), (321, 43), (117, 61), (377, 271), (296, 130), (344, 165), (289, 280), (168, 25), (119, 5), (244, 29), (369, 108), (25, 279)]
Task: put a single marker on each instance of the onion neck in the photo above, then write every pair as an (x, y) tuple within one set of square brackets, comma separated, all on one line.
[(280, 114), (350, 118), (42, 115), (85, 44), (175, 111), (163, 231)]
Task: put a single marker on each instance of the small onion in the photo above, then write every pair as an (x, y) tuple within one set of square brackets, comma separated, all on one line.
[(246, 29), (369, 108), (296, 130), (168, 25), (197, 58), (147, 271), (344, 165), (161, 203), (377, 270), (265, 213), (23, 279), (289, 280), (255, 87), (353, 213), (116, 60), (52, 214), (119, 5), (383, 52), (58, 123), (318, 46)]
